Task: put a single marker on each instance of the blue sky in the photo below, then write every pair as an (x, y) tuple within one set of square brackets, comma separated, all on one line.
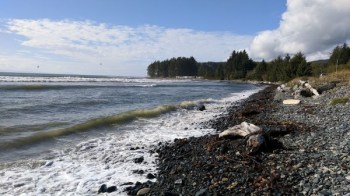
[(121, 37)]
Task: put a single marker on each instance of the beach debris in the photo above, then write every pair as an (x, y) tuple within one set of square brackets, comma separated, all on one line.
[(242, 130), (291, 102), (304, 89)]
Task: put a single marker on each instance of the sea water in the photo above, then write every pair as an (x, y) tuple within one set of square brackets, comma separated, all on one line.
[(69, 134)]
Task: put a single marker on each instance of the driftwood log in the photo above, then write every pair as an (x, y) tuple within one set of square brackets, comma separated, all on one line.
[(252, 132)]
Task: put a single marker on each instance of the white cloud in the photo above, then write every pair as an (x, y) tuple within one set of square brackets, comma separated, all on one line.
[(312, 27), (122, 50)]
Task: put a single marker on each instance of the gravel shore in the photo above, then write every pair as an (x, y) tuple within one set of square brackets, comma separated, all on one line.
[(307, 152)]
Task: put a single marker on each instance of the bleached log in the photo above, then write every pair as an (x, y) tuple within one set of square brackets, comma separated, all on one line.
[(314, 91), (242, 130), (291, 102)]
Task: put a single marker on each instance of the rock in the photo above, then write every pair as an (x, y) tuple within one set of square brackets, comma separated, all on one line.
[(242, 130), (18, 184), (202, 192), (138, 160), (150, 176), (126, 183), (201, 107), (111, 189), (347, 178), (103, 189), (143, 191), (178, 181), (255, 142), (291, 102), (48, 163)]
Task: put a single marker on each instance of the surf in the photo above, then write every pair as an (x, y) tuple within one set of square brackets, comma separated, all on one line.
[(96, 123)]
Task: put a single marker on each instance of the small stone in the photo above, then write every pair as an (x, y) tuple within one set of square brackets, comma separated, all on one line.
[(202, 192), (111, 189), (150, 176), (201, 107), (48, 163), (18, 184), (126, 183), (143, 191), (347, 178), (179, 181), (138, 160), (103, 189), (224, 179)]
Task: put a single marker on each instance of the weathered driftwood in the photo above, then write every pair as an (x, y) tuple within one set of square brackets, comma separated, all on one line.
[(242, 130), (252, 132), (326, 87), (291, 102), (314, 91)]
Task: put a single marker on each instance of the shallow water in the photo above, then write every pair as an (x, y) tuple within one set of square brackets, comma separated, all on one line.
[(83, 127)]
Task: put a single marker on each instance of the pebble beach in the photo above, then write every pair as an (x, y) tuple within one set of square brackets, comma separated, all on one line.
[(307, 151)]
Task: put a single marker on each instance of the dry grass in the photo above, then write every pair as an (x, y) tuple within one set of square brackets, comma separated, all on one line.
[(341, 100), (342, 76)]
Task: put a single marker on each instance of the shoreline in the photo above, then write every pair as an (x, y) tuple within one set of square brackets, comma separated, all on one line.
[(307, 152)]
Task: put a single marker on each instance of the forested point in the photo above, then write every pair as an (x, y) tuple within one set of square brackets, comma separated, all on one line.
[(240, 66)]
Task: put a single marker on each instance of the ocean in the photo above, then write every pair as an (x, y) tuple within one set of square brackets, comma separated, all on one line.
[(69, 134)]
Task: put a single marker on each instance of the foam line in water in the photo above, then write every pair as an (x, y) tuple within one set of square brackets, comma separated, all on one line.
[(91, 124)]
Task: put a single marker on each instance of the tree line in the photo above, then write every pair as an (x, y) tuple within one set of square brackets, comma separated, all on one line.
[(240, 66)]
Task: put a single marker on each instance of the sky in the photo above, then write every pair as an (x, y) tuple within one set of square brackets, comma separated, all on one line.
[(122, 37)]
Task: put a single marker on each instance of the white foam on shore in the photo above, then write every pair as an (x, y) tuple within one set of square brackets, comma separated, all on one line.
[(109, 160)]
